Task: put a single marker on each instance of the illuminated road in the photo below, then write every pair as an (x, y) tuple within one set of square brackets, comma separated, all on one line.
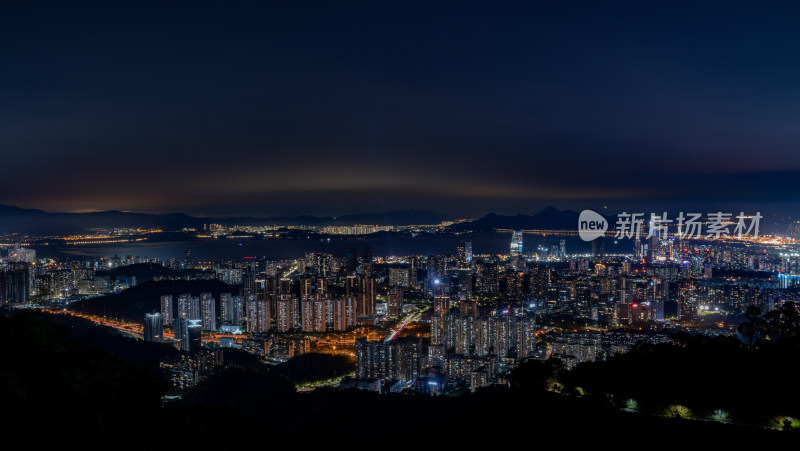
[(343, 343), (133, 329), (408, 319), (335, 343)]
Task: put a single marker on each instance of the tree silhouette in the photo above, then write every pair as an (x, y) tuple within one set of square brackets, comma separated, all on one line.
[(783, 324), (780, 326), (750, 331)]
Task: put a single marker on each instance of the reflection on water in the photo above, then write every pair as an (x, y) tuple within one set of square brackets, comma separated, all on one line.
[(482, 243)]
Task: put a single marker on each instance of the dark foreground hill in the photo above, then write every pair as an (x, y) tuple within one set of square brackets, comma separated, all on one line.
[(362, 420), (133, 303), (111, 340), (63, 391)]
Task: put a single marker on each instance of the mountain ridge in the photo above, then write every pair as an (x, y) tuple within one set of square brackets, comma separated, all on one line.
[(38, 222), (550, 218)]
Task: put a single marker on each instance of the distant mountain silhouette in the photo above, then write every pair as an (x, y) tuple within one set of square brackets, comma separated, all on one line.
[(550, 218), (400, 217), (38, 222)]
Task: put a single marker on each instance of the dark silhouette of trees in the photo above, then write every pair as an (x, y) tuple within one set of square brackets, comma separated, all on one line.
[(314, 366), (67, 386), (783, 324), (534, 375), (780, 326)]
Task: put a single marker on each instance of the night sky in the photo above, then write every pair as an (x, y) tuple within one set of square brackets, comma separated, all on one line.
[(224, 108)]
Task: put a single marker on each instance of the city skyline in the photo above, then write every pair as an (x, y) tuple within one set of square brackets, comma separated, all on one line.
[(399, 225)]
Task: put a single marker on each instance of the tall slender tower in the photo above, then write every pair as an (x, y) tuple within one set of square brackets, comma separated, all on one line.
[(166, 308), (208, 307), (516, 243)]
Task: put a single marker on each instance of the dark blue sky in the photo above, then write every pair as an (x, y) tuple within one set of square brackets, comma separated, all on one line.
[(292, 107)]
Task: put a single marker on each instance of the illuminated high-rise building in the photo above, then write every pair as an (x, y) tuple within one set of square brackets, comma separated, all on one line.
[(179, 328), (404, 359), (258, 315), (526, 336), (166, 308), (464, 253), (363, 288), (321, 287), (468, 308), (232, 309), (285, 286), (287, 316), (340, 317), (239, 310), (464, 334), (516, 243), (484, 334), (479, 378), (353, 284), (351, 310), (208, 307), (192, 339), (189, 307), (371, 359), (393, 360), (395, 304), (306, 288), (367, 297), (437, 267), (465, 283), (183, 305), (437, 333), (153, 327), (195, 312), (318, 316), (502, 334), (271, 290), (231, 276), (441, 297), (398, 277), (413, 266), (307, 315), (487, 278), (21, 254)]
